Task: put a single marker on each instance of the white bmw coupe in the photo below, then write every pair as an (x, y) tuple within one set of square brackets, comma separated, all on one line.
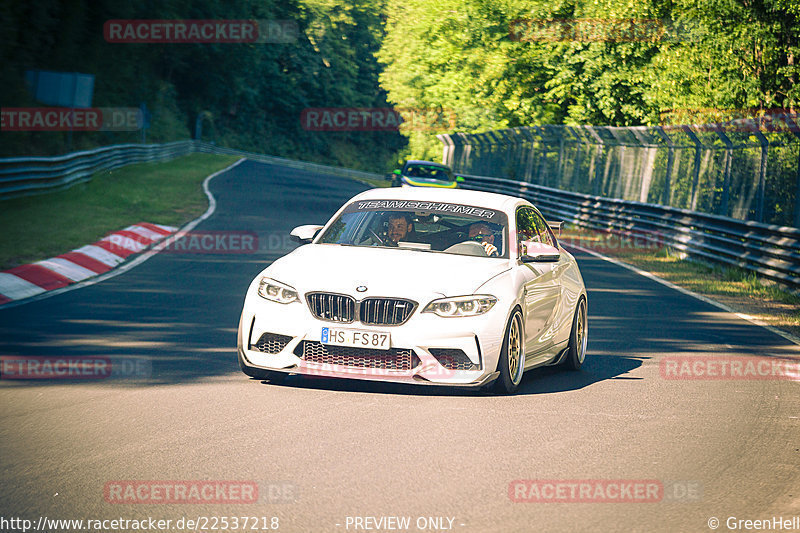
[(429, 286)]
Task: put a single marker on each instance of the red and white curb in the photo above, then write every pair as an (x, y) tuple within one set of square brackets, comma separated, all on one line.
[(79, 264)]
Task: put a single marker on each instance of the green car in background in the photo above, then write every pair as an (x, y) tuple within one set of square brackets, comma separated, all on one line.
[(424, 174)]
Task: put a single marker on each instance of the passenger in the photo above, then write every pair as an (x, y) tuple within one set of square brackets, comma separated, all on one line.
[(482, 233)]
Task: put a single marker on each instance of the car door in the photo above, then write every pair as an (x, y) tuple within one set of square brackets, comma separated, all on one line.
[(541, 286)]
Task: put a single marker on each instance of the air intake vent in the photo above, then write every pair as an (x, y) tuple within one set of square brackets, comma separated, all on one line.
[(271, 343), (392, 359), (453, 359)]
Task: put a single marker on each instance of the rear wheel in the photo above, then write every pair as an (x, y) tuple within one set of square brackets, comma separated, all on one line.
[(512, 357), (576, 353)]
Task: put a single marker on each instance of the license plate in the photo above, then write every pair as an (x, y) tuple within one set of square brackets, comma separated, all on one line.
[(357, 338)]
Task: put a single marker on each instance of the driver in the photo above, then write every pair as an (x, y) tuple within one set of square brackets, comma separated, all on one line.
[(400, 226), (481, 232)]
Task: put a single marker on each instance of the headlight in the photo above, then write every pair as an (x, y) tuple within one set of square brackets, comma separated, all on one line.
[(473, 305), (276, 291)]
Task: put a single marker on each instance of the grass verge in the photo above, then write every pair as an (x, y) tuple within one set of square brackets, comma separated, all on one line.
[(737, 288), (42, 226)]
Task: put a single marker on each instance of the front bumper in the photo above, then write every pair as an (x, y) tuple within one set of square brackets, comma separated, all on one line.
[(425, 340)]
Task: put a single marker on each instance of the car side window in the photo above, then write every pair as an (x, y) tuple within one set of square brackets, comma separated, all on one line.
[(526, 226), (543, 229)]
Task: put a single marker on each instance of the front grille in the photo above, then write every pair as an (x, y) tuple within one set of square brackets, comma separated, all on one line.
[(373, 311), (391, 359), (271, 343), (332, 307), (385, 311), (453, 359)]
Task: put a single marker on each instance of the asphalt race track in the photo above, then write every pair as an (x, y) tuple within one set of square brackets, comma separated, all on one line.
[(720, 448)]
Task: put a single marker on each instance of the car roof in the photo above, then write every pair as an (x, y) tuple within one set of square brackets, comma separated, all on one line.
[(490, 200), (420, 162)]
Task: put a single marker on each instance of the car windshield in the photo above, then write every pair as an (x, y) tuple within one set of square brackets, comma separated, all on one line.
[(421, 225), (416, 170)]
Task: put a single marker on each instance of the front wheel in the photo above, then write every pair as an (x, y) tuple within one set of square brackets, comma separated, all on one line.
[(512, 357), (576, 353)]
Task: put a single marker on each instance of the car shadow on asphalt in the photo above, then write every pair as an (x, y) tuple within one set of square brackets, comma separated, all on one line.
[(543, 380)]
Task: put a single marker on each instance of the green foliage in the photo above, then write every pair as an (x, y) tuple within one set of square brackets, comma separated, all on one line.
[(478, 65), (253, 93), (465, 55)]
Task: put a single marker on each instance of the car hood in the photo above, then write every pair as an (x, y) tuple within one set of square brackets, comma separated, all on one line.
[(385, 272)]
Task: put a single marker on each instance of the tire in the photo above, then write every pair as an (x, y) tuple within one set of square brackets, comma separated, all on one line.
[(512, 357), (576, 353), (258, 373)]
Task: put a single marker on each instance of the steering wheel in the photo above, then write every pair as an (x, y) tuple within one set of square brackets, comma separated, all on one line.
[(378, 237), (468, 248)]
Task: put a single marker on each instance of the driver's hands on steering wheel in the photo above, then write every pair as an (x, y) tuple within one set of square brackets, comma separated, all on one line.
[(491, 249)]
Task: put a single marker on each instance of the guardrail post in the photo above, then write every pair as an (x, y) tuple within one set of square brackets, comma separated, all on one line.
[(726, 179), (666, 198), (578, 156), (797, 196), (447, 149), (645, 168), (475, 149), (762, 174), (537, 170), (521, 152), (620, 186), (795, 129), (601, 153), (529, 150), (560, 166), (696, 171)]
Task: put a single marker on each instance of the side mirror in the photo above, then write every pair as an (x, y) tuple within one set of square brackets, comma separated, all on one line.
[(538, 252), (459, 179), (304, 234)]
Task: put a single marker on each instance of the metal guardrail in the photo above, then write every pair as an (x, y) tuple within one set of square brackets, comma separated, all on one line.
[(24, 176), (301, 165), (771, 251)]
